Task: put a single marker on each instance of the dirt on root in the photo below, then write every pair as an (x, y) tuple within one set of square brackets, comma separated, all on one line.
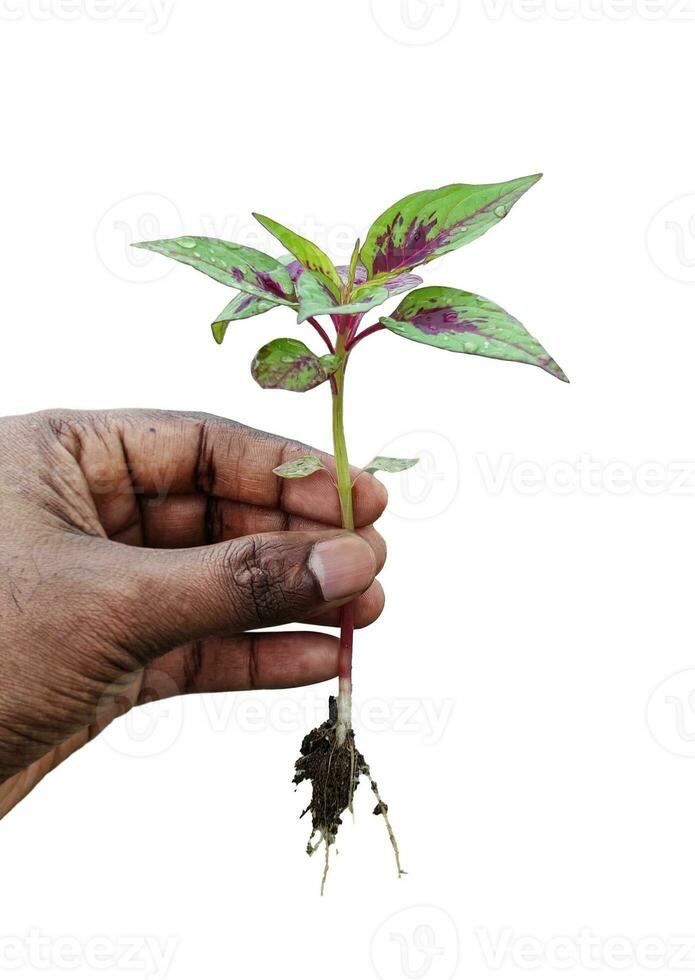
[(334, 773)]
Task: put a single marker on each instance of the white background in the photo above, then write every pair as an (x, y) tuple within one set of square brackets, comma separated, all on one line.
[(517, 700)]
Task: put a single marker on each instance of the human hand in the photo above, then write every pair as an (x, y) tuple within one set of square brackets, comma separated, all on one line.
[(136, 548)]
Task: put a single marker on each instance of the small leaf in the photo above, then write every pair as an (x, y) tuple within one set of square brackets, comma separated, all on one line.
[(234, 265), (244, 305), (289, 364), (430, 223), (350, 272), (298, 468), (387, 464), (315, 299), (469, 324), (399, 283), (309, 254)]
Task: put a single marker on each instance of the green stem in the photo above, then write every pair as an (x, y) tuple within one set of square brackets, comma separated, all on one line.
[(347, 613), (341, 456)]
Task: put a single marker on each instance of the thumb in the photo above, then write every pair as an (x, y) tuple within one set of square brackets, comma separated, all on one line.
[(169, 597)]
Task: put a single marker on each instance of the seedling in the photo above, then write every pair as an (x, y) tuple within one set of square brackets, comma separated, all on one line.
[(412, 232)]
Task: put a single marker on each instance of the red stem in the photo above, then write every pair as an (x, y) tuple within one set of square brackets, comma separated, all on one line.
[(353, 326), (322, 333), (347, 631), (365, 333)]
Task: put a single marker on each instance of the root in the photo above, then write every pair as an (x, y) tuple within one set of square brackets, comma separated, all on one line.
[(326, 865), (312, 848), (383, 810), (352, 779), (333, 768)]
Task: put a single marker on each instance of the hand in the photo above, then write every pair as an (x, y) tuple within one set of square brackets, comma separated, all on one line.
[(136, 548)]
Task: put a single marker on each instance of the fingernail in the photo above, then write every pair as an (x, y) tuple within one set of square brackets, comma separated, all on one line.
[(344, 566)]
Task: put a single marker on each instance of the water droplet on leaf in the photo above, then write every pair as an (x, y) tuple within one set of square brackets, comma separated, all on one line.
[(500, 211), (186, 242)]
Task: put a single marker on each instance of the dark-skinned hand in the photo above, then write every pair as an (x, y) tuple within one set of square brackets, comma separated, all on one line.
[(137, 551)]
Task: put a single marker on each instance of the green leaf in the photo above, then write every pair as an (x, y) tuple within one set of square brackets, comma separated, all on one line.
[(309, 254), (469, 324), (386, 464), (297, 469), (430, 223), (393, 284), (244, 305), (234, 265), (351, 270), (315, 298), (289, 364)]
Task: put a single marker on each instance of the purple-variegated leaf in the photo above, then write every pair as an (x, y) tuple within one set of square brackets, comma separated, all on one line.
[(430, 223), (289, 364), (399, 283), (244, 305), (469, 324), (297, 469), (309, 254), (315, 298), (387, 464), (245, 268)]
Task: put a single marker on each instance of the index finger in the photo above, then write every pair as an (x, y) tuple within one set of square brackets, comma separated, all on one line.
[(166, 453)]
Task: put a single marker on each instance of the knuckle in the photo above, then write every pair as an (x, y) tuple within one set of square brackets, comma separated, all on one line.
[(378, 546), (263, 581)]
